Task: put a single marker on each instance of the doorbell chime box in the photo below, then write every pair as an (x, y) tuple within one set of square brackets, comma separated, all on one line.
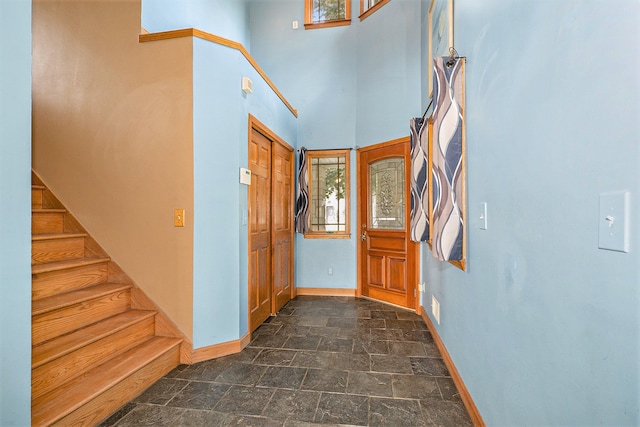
[(245, 176)]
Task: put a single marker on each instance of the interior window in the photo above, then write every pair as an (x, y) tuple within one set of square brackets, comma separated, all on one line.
[(329, 193), (327, 13), (368, 7)]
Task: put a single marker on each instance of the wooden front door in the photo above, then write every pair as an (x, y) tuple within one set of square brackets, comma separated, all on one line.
[(387, 258), (270, 224)]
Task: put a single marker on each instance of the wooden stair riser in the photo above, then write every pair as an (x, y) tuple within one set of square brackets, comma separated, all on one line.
[(96, 394), (46, 377), (36, 196), (47, 222), (57, 249), (64, 320), (56, 282), (111, 400)]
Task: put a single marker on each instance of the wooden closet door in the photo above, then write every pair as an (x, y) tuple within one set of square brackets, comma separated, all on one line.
[(282, 225), (259, 229)]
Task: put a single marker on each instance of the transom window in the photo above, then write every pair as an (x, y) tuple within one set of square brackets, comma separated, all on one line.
[(329, 193), (327, 13)]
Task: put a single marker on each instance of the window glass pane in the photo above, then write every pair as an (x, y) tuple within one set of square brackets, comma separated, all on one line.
[(386, 194), (328, 203), (327, 10)]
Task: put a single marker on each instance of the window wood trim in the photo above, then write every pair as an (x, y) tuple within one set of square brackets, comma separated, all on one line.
[(346, 234), (309, 24), (364, 14)]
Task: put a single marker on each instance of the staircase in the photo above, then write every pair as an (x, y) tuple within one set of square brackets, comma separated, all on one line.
[(91, 351)]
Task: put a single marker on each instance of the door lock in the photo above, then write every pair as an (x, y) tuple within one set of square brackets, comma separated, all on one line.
[(363, 236)]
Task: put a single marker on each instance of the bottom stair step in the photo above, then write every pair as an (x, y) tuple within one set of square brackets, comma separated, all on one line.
[(94, 395)]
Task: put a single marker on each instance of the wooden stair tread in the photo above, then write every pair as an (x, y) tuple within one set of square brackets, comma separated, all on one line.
[(63, 265), (54, 405), (54, 236), (47, 210), (38, 187), (65, 344), (55, 302)]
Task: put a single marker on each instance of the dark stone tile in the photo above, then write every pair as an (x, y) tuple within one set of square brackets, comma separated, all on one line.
[(383, 314), (407, 348), (241, 373), (193, 417), (445, 413), (343, 409), (351, 362), (323, 331), (421, 325), (418, 336), (348, 333), (448, 389), (311, 359), (432, 349), (403, 325), (342, 322), (387, 334), (246, 355), (370, 323), (268, 341), (241, 400), (325, 380), (370, 384), (151, 415), (198, 395), (429, 366), (390, 364), (203, 371), (286, 311), (342, 345), (394, 412), (282, 377), (312, 321), (370, 347), (251, 421), (409, 315), (302, 343), (266, 329), (161, 391), (297, 405), (274, 357), (120, 413), (414, 387), (295, 330)]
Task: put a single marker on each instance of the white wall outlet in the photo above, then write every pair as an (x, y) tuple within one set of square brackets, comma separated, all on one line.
[(421, 287), (294, 25), (435, 309), (330, 271)]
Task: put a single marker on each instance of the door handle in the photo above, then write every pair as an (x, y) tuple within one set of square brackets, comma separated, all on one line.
[(363, 236)]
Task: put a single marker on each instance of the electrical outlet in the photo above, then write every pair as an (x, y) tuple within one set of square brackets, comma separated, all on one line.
[(435, 309), (420, 287), (330, 271)]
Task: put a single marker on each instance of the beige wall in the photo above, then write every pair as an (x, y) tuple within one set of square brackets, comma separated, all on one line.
[(112, 138)]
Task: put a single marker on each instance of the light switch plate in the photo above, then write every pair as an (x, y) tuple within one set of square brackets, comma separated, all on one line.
[(245, 176), (613, 222), (483, 216)]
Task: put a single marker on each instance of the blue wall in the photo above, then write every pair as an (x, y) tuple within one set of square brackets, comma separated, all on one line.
[(354, 85), (544, 327), (221, 113), (15, 197), (224, 18)]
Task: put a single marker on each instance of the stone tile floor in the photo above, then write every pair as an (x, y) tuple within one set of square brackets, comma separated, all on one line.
[(321, 360)]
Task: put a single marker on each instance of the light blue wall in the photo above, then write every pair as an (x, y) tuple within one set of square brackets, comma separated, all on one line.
[(544, 327), (15, 197), (221, 112), (224, 18), (355, 85)]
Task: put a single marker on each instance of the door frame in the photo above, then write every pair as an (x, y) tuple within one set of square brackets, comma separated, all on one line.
[(413, 248), (257, 125)]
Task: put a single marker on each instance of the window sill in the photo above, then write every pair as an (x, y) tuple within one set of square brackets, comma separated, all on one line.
[(336, 23), (327, 236)]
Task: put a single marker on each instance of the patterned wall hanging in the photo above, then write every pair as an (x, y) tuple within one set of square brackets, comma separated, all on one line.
[(302, 194), (419, 180), (448, 169)]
